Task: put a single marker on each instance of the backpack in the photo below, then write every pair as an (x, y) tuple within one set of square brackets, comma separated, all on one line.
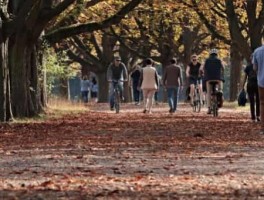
[(242, 98)]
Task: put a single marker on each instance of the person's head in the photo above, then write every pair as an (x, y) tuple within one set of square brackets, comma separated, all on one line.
[(94, 80), (194, 58), (149, 61), (85, 77), (173, 61), (213, 52), (117, 60)]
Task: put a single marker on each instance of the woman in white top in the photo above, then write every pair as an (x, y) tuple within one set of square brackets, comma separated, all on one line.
[(149, 84)]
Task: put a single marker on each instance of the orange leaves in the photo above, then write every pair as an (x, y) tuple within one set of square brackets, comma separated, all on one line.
[(161, 156)]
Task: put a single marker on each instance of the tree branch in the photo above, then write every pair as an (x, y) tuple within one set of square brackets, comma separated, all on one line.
[(62, 33)]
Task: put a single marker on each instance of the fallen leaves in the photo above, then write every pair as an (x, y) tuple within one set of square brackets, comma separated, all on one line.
[(97, 154)]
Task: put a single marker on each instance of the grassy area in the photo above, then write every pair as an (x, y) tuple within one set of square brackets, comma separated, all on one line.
[(56, 108), (234, 105)]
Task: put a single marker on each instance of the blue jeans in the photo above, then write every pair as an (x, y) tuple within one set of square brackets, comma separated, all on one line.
[(85, 96), (173, 95), (112, 86)]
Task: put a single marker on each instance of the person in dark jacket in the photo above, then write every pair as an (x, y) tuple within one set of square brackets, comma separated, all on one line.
[(213, 70), (252, 90), (172, 80), (194, 75), (116, 71), (135, 80)]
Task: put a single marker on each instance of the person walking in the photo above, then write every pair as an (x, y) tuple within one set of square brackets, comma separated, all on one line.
[(252, 90), (149, 84), (258, 66), (116, 74), (94, 89), (85, 85), (135, 80), (172, 80)]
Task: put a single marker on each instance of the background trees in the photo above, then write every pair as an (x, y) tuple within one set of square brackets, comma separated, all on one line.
[(23, 25), (85, 31)]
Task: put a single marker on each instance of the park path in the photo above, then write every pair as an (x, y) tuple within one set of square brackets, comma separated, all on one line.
[(98, 154)]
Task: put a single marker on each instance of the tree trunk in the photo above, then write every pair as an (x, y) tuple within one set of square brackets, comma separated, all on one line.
[(235, 72), (102, 88), (24, 72), (3, 80)]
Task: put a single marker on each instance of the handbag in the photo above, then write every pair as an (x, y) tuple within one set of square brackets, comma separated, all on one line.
[(242, 98)]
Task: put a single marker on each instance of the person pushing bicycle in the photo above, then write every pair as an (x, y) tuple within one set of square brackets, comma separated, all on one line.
[(213, 70), (116, 74), (193, 74)]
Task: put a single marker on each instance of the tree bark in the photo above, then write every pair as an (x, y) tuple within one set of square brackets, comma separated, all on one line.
[(103, 88), (3, 80), (19, 81), (235, 72)]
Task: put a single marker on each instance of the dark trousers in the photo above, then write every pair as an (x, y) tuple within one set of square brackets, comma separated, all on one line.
[(85, 96), (261, 98), (136, 92), (156, 96), (254, 103)]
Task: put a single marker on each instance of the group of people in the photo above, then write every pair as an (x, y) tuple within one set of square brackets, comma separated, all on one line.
[(147, 79), (203, 75), (88, 86)]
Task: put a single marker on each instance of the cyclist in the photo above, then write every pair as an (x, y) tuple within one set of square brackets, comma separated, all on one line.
[(213, 72), (116, 74), (194, 76)]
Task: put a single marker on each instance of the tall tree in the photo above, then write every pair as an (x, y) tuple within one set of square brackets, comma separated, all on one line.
[(23, 22)]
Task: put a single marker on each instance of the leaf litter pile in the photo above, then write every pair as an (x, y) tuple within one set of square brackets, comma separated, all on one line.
[(102, 155)]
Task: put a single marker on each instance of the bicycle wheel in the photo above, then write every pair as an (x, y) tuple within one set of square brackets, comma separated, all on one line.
[(198, 102), (194, 105), (117, 102), (215, 107), (198, 106)]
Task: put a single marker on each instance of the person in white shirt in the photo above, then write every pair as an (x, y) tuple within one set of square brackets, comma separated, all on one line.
[(149, 84)]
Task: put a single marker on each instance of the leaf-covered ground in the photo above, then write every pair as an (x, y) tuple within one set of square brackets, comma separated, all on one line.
[(101, 155)]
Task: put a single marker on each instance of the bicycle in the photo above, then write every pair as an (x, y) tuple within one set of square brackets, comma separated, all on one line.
[(117, 95), (215, 98), (197, 98)]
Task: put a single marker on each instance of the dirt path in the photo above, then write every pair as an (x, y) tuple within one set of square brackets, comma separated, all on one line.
[(131, 155)]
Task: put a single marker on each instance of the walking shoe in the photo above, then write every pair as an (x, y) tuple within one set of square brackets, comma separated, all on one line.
[(144, 111), (171, 110), (209, 111), (112, 108), (258, 119)]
